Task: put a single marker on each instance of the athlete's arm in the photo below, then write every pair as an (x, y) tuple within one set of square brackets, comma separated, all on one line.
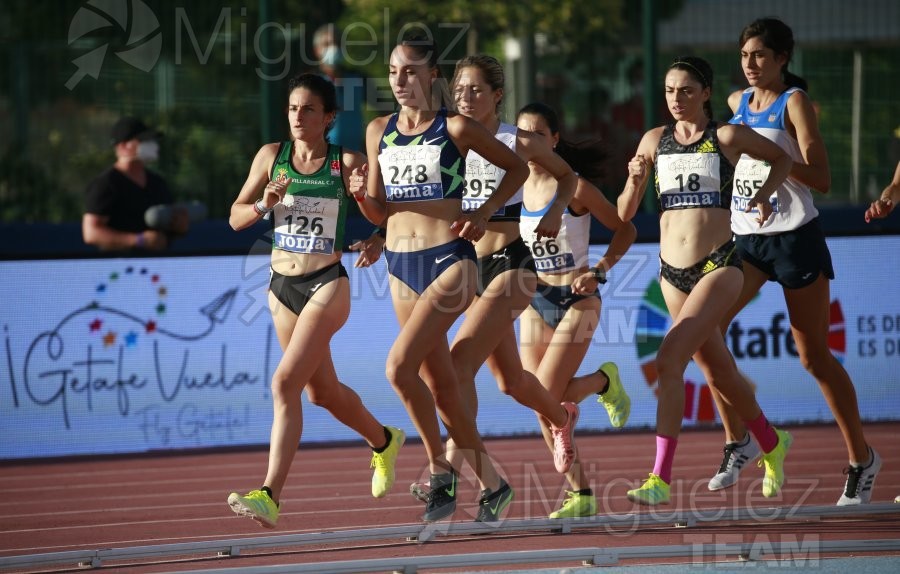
[(800, 119), (624, 232), (884, 205), (639, 169), (244, 212), (468, 134), (739, 139), (374, 204), (734, 100), (532, 148)]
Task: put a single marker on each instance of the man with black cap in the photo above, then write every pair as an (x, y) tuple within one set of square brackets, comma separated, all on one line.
[(119, 198)]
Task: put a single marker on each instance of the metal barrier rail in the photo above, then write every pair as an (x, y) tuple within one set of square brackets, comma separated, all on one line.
[(591, 556), (424, 533)]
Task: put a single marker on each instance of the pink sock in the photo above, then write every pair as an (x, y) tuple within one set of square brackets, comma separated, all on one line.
[(665, 456), (763, 432)]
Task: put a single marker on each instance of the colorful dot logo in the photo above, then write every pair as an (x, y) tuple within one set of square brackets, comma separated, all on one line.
[(131, 280)]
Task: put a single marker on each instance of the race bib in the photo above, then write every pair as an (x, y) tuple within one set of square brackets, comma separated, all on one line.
[(482, 178), (749, 176), (306, 224), (688, 180), (411, 173), (551, 254)]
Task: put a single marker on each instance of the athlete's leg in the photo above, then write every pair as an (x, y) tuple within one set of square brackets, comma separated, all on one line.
[(487, 335), (327, 391), (562, 359), (696, 317), (735, 430), (534, 339), (417, 338), (305, 341), (808, 308)]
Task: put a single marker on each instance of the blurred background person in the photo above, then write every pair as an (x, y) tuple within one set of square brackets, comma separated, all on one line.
[(347, 130), (116, 213)]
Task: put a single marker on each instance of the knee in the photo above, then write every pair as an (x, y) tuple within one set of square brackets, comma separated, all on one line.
[(670, 367), (510, 385), (463, 363), (817, 361), (319, 397), (447, 400), (392, 371), (400, 374), (283, 389)]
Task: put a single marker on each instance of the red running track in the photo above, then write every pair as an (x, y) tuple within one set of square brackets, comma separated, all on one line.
[(134, 501)]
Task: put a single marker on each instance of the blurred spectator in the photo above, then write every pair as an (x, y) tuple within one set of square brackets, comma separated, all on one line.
[(128, 206), (627, 125), (347, 130)]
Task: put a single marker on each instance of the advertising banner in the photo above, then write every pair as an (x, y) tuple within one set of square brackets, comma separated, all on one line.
[(104, 356)]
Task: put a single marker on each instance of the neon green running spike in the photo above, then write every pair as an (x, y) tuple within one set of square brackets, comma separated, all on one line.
[(576, 506), (257, 505), (384, 463), (615, 399), (774, 462), (654, 491)]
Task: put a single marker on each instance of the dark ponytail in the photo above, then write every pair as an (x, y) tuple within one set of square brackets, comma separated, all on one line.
[(586, 157), (701, 71), (792, 80), (778, 37)]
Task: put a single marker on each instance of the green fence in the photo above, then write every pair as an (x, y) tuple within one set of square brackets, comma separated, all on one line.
[(212, 76)]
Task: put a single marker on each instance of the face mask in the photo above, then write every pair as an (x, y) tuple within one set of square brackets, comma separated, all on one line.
[(331, 56), (148, 151)]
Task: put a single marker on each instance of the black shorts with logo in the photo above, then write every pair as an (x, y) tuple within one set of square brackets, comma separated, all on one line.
[(685, 279), (793, 258), (294, 292), (514, 256), (552, 302)]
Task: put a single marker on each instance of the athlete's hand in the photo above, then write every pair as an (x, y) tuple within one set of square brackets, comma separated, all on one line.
[(275, 190), (470, 226), (357, 181), (764, 207), (638, 167), (585, 284), (369, 250), (879, 209), (549, 224)]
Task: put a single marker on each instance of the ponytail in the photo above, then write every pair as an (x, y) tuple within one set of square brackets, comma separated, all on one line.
[(793, 80), (586, 157)]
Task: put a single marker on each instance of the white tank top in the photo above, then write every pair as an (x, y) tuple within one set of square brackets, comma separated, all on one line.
[(792, 203), (483, 177), (567, 251)]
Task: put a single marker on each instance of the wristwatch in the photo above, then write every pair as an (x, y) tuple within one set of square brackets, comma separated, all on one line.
[(598, 274)]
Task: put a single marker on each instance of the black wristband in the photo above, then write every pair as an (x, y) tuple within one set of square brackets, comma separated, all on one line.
[(598, 274), (380, 232)]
